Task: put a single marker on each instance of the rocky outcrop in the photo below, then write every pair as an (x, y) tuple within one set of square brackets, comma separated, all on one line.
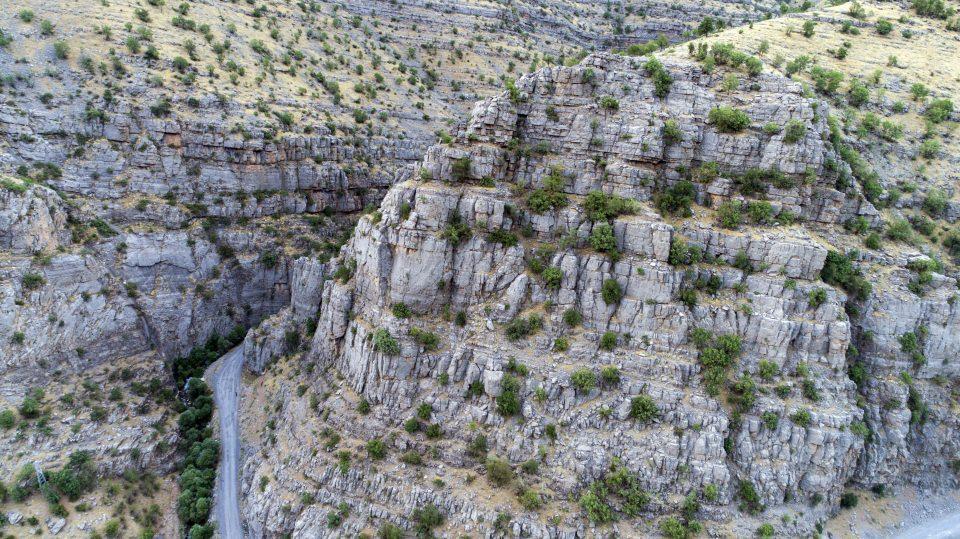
[(458, 251)]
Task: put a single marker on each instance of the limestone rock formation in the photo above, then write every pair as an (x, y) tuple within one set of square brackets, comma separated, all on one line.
[(460, 290)]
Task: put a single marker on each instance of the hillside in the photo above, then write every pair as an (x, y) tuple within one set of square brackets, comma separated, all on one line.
[(543, 269)]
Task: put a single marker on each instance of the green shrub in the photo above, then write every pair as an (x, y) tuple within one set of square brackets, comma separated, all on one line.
[(728, 215), (849, 500), (643, 408), (611, 292), (676, 199), (503, 237), (816, 297), (603, 207), (929, 149), (728, 119), (794, 132), (460, 169), (499, 471), (858, 94), (384, 343), (428, 339), (682, 254), (456, 230), (608, 341), (935, 203), (939, 110), (808, 27), (530, 499), (760, 211), (610, 375), (609, 103), (900, 230), (767, 369), (7, 420), (29, 407), (426, 518), (521, 328), (32, 281), (826, 81), (376, 449), (750, 497), (508, 402), (801, 417), (572, 317), (838, 270), (583, 379), (671, 132), (937, 9), (884, 27), (552, 277), (602, 239), (400, 310), (61, 49), (660, 76)]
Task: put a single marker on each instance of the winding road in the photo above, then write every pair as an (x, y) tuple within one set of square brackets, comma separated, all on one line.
[(226, 390)]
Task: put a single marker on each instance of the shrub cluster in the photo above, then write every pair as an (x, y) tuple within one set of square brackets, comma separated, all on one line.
[(200, 357), (717, 354), (551, 195), (199, 467), (660, 76), (619, 492), (728, 119), (838, 270)]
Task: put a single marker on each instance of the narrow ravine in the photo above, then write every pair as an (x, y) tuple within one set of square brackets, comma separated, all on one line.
[(226, 390)]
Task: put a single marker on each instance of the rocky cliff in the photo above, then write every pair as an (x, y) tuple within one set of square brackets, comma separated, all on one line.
[(638, 307)]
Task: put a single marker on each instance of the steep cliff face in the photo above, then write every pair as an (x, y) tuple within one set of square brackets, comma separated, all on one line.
[(537, 282)]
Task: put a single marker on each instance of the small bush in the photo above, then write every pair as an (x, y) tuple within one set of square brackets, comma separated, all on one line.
[(499, 471), (939, 110), (376, 449), (816, 297), (661, 77), (794, 132), (583, 379), (572, 317), (608, 341), (801, 417), (929, 149), (728, 215), (611, 292), (552, 277), (7, 421), (609, 103), (671, 132), (32, 281), (384, 343), (400, 310), (676, 199), (643, 408), (61, 49), (602, 239), (729, 119)]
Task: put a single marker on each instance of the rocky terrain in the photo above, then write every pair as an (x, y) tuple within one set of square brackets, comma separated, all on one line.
[(496, 284), (614, 304)]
